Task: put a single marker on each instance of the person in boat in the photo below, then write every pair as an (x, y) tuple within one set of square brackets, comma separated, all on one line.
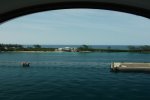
[(25, 64)]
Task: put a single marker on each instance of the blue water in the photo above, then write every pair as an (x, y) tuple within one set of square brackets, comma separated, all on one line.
[(71, 76)]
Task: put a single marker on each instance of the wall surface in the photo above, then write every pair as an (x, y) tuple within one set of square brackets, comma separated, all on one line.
[(13, 8)]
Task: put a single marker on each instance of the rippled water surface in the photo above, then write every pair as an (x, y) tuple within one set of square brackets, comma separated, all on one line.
[(71, 76)]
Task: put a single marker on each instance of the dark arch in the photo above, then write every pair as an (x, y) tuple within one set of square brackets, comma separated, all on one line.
[(64, 5)]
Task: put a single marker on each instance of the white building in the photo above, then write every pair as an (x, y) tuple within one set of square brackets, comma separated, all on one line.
[(67, 49)]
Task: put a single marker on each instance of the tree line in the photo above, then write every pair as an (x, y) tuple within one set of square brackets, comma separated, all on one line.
[(139, 48), (82, 48), (144, 48), (18, 47)]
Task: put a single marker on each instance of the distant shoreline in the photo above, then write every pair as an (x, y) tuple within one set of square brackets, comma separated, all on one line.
[(108, 51), (82, 48), (29, 51)]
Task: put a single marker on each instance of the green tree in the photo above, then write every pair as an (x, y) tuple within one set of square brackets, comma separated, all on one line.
[(84, 48), (132, 48), (109, 47), (37, 46), (145, 47)]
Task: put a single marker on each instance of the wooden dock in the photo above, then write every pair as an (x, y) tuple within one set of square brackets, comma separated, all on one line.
[(130, 67)]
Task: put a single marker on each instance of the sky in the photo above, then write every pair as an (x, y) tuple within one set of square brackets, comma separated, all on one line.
[(77, 27)]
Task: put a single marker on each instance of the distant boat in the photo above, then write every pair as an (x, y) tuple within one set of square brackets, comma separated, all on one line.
[(25, 64)]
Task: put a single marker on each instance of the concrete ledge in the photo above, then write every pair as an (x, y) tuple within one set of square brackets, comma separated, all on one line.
[(130, 67)]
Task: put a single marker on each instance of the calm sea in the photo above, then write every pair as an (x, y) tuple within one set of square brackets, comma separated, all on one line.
[(71, 76)]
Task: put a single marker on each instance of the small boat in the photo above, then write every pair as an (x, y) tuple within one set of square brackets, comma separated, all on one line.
[(25, 64)]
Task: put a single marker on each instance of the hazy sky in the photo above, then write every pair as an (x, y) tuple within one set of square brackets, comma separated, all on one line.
[(77, 26)]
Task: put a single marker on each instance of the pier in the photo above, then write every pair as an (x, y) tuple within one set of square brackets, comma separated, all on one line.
[(130, 67)]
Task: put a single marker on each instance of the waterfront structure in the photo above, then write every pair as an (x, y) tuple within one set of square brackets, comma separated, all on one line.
[(130, 67), (67, 49)]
